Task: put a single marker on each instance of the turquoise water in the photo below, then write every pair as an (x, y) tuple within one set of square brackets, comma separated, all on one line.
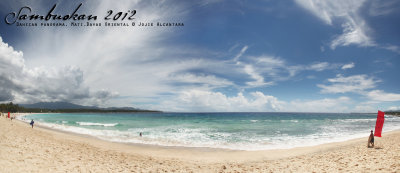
[(239, 131)]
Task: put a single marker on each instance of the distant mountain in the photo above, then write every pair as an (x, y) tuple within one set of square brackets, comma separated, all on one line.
[(121, 108), (66, 105), (56, 105)]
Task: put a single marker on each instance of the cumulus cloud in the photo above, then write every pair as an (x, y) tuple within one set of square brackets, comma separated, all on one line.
[(355, 83), (143, 65), (355, 29), (5, 89), (26, 85), (131, 60), (208, 101)]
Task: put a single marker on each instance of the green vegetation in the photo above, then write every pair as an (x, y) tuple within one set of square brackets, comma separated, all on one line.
[(11, 107), (397, 113)]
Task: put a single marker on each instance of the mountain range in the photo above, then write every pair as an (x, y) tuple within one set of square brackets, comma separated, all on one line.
[(67, 105)]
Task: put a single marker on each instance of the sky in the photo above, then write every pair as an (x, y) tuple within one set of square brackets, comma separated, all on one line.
[(236, 55)]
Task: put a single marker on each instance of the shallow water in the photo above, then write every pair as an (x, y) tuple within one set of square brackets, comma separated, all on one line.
[(239, 131)]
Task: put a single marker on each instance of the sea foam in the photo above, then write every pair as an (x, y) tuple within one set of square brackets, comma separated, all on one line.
[(96, 124), (259, 132)]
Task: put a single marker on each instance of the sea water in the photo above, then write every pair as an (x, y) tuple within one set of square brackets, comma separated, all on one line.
[(237, 131)]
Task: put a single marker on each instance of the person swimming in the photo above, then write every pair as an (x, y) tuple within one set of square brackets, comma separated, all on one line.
[(371, 140)]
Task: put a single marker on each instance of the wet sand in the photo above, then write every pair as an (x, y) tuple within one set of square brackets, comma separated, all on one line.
[(43, 150)]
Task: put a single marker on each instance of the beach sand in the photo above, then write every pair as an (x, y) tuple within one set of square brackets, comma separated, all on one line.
[(23, 149)]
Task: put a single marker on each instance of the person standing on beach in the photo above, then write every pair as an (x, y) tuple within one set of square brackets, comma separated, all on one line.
[(371, 140), (32, 122)]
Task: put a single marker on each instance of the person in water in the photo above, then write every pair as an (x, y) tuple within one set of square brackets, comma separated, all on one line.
[(140, 134), (32, 122), (371, 140)]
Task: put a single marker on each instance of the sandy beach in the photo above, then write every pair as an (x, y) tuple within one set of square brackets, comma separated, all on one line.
[(23, 149)]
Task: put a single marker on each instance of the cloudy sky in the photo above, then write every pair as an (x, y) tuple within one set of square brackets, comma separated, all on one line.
[(236, 55)]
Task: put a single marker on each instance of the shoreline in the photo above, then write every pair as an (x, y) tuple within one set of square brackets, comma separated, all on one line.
[(201, 148), (49, 150), (206, 149)]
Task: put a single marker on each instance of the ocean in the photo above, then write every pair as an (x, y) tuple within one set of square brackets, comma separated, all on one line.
[(235, 131)]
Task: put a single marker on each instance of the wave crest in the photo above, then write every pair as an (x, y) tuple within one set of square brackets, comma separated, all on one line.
[(97, 124)]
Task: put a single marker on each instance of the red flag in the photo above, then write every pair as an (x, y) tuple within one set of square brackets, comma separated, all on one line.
[(8, 114), (379, 123)]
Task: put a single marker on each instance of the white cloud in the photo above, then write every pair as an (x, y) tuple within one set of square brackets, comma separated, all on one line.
[(340, 104), (328, 10), (208, 2), (236, 58), (392, 48), (354, 27), (270, 66), (277, 69), (364, 86), (209, 80), (208, 101), (383, 7), (143, 79), (394, 108), (22, 84), (354, 32), (348, 66), (310, 77), (319, 66), (355, 83), (131, 60), (270, 61), (258, 79), (367, 107), (379, 95)]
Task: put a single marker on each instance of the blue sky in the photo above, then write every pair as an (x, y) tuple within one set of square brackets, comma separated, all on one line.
[(297, 56)]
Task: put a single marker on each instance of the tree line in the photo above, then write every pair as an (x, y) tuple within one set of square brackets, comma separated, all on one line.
[(10, 107), (397, 113), (13, 108)]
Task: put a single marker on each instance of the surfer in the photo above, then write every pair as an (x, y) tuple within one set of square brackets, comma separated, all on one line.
[(140, 134), (32, 122), (371, 140)]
